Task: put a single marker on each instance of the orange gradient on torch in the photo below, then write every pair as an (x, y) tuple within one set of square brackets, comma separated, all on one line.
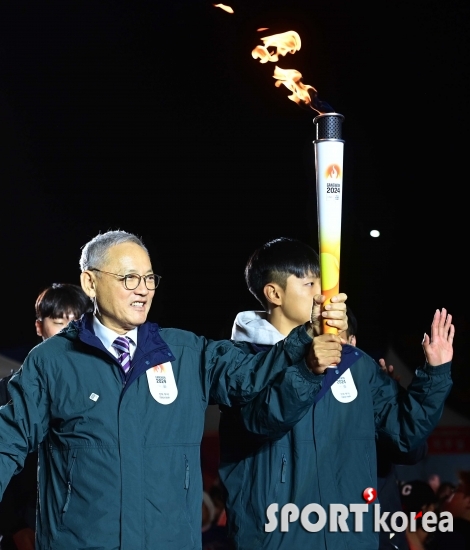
[(280, 44), (228, 9), (330, 237)]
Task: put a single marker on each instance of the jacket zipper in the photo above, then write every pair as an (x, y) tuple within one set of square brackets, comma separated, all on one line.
[(186, 475), (283, 469), (69, 484)]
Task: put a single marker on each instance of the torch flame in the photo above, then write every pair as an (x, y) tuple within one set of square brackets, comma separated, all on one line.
[(228, 9), (286, 42), (292, 81)]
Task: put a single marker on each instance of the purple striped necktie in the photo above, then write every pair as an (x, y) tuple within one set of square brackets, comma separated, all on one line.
[(122, 345)]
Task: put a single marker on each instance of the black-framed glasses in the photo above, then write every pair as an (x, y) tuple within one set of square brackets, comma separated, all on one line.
[(132, 280)]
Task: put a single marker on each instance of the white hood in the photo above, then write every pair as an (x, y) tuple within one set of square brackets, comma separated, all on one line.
[(252, 326)]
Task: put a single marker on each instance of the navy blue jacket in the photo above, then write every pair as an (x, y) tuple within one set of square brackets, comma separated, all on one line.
[(118, 469), (328, 457)]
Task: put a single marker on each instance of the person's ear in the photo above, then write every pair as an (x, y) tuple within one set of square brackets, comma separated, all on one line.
[(352, 340), (87, 281), (273, 293), (38, 325)]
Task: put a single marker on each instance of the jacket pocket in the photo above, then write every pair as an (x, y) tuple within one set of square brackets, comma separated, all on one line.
[(69, 483), (186, 472), (283, 468), (369, 469), (187, 479)]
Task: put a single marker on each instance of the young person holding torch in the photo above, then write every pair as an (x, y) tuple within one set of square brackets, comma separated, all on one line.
[(329, 456)]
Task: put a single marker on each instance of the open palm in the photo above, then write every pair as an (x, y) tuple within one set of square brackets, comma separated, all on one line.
[(438, 349)]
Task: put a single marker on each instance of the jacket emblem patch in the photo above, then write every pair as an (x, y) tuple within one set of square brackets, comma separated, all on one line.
[(344, 389), (162, 384)]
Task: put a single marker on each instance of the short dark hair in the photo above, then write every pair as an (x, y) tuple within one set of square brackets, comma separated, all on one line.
[(62, 299), (275, 261), (416, 494)]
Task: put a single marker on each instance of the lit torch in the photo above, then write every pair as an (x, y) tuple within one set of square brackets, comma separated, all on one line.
[(328, 157), (329, 148)]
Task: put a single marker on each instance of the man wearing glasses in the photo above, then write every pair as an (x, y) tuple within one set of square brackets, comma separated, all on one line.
[(116, 405)]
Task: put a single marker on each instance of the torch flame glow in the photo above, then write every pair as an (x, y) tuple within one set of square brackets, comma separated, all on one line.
[(292, 81), (286, 42), (228, 9)]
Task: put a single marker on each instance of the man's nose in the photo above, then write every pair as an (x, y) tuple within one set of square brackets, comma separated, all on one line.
[(141, 287)]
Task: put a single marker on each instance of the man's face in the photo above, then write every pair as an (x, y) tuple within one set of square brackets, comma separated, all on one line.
[(50, 326), (120, 309), (297, 298)]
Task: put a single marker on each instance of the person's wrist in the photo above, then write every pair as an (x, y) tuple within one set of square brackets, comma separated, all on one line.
[(309, 328)]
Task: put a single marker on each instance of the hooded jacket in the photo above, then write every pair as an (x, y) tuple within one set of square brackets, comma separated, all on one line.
[(120, 460), (328, 456)]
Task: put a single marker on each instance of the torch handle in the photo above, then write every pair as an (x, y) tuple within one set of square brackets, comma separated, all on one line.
[(327, 329), (329, 172)]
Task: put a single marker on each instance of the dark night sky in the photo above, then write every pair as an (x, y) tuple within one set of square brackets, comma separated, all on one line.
[(154, 118)]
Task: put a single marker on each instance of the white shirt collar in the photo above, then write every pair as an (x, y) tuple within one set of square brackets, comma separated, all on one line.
[(107, 337)]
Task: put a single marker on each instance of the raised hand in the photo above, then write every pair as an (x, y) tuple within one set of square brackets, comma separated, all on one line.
[(438, 349), (388, 369)]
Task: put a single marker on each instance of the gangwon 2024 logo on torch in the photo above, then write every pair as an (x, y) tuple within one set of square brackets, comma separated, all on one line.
[(314, 518), (333, 181)]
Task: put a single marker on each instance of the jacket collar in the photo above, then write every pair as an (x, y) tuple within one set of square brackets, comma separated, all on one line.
[(151, 348), (349, 355)]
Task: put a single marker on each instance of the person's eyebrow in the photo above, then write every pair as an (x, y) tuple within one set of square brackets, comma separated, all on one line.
[(135, 272)]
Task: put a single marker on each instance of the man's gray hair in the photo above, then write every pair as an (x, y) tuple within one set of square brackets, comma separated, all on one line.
[(95, 251)]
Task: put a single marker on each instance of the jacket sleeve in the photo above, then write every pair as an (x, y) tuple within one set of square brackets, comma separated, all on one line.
[(236, 376), (24, 421), (408, 416), (277, 408), (275, 389)]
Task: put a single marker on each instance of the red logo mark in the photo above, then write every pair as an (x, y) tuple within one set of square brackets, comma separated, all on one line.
[(419, 515), (369, 495)]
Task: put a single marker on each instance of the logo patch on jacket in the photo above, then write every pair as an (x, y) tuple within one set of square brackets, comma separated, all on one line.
[(162, 384), (344, 389)]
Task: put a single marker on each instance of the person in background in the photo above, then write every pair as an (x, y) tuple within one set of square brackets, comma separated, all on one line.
[(417, 496), (444, 491), (458, 504), (55, 307)]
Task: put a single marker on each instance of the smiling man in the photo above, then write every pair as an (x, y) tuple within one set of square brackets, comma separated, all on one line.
[(117, 405)]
